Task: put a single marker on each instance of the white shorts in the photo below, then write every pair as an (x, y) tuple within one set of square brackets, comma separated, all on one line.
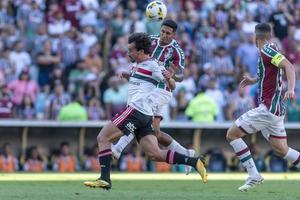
[(261, 119), (157, 99)]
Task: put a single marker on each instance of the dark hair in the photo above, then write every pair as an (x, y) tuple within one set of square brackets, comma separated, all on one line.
[(170, 23), (262, 30), (142, 41)]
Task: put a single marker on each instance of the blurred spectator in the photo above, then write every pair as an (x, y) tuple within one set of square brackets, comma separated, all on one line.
[(115, 97), (47, 61), (290, 45), (202, 108), (65, 162), (27, 109), (6, 105), (57, 76), (247, 56), (93, 60), (59, 25), (71, 10), (224, 67), (90, 88), (19, 58), (41, 100), (8, 162), (95, 110), (133, 24), (293, 110), (68, 49), (40, 38), (23, 87), (239, 105), (56, 101), (34, 161), (216, 160), (214, 93), (73, 111), (77, 77), (117, 23), (92, 161), (88, 39), (133, 161), (34, 20), (280, 20)]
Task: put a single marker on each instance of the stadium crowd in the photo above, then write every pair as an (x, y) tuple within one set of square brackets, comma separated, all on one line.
[(59, 59)]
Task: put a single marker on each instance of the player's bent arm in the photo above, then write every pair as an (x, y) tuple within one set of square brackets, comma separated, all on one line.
[(178, 76), (290, 73), (172, 83)]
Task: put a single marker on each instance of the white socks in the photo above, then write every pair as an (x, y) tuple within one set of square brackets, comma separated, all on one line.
[(175, 146), (242, 151), (294, 156), (123, 142)]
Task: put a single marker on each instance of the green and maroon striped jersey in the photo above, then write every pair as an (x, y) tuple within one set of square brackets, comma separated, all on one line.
[(171, 53), (270, 79)]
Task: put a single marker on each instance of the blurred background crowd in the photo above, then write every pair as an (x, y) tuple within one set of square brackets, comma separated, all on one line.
[(59, 59)]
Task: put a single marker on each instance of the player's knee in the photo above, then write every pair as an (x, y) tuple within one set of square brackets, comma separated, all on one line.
[(233, 133), (101, 138), (230, 136), (281, 151)]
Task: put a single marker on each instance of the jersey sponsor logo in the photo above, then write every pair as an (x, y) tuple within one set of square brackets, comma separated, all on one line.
[(131, 127)]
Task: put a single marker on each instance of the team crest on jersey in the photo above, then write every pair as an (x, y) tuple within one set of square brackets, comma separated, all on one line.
[(133, 70)]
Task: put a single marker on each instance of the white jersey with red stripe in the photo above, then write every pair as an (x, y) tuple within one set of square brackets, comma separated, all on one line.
[(144, 78)]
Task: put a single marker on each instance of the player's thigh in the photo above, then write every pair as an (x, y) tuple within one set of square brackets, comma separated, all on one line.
[(156, 124), (110, 133)]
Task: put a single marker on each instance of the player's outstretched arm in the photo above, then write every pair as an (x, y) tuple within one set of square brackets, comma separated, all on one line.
[(291, 78), (172, 84)]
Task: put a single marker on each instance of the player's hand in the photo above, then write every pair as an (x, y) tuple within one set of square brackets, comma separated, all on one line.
[(167, 74), (247, 80), (290, 94), (124, 75)]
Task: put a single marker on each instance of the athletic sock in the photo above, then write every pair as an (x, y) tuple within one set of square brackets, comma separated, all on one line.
[(242, 151), (294, 156), (176, 158), (123, 142), (175, 146), (105, 158)]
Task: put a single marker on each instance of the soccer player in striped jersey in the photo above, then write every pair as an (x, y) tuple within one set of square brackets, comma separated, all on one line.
[(166, 50), (138, 115), (268, 117)]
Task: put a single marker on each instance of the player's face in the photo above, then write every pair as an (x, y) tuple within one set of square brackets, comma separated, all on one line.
[(166, 34), (132, 52)]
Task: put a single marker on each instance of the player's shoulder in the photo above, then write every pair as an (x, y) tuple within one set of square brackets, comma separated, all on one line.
[(270, 49), (150, 63)]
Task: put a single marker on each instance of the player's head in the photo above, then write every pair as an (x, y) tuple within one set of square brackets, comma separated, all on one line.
[(167, 31), (262, 33), (138, 46)]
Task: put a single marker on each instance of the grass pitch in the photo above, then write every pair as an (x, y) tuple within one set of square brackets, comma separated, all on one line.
[(54, 186)]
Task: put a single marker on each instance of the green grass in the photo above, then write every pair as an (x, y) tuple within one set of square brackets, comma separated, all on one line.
[(69, 186)]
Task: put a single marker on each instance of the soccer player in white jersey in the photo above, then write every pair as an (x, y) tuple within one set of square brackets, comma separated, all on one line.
[(269, 116), (138, 115), (166, 50)]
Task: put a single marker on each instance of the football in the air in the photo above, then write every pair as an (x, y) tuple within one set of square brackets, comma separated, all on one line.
[(156, 10)]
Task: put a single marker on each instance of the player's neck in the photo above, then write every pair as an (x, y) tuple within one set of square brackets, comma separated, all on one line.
[(164, 44), (143, 58), (263, 43)]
